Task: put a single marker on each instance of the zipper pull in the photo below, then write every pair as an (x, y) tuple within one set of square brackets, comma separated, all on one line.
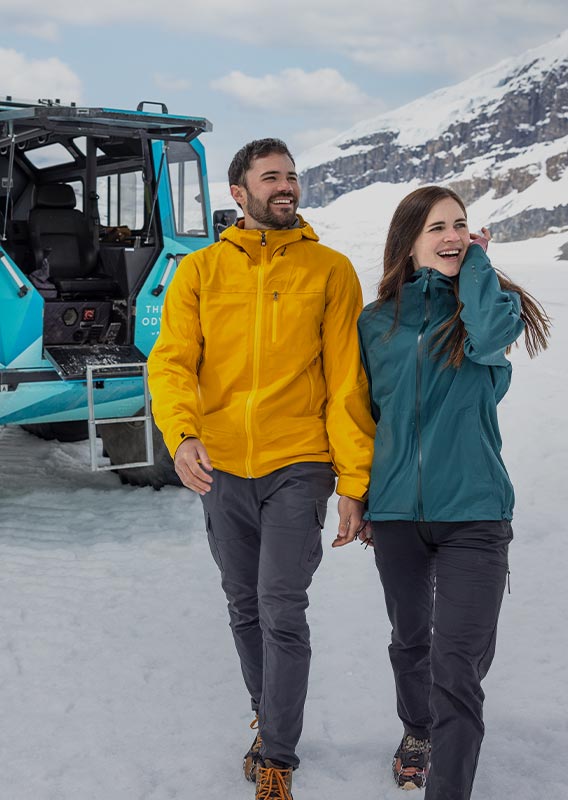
[(427, 281), (263, 239), (275, 296)]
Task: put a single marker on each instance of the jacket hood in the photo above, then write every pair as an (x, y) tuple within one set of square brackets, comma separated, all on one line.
[(440, 289), (250, 239), (435, 278)]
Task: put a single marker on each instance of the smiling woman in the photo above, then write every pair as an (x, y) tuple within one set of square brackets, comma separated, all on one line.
[(440, 502), (444, 240), (429, 230)]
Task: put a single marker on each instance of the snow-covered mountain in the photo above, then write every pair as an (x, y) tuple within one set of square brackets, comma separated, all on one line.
[(501, 135)]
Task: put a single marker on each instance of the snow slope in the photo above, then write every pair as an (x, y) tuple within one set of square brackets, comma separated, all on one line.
[(429, 116), (118, 678), (501, 133)]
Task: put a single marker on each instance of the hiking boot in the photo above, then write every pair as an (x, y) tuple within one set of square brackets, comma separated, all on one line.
[(411, 762), (273, 781), (252, 758)]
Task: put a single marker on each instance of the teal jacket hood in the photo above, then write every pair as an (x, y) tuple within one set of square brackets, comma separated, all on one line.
[(437, 453)]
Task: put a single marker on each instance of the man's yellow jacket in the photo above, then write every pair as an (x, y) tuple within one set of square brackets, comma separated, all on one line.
[(258, 357)]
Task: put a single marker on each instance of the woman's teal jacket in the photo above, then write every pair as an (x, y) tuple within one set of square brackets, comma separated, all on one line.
[(437, 446)]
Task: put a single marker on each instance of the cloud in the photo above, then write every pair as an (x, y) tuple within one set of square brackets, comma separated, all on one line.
[(407, 36), (294, 91), (170, 83), (45, 29), (24, 78), (316, 101), (304, 140), (410, 54)]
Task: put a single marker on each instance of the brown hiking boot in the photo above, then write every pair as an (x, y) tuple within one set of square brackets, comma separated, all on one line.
[(411, 763), (252, 758), (273, 781)]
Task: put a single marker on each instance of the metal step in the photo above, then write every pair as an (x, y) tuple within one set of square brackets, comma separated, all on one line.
[(72, 361), (98, 372)]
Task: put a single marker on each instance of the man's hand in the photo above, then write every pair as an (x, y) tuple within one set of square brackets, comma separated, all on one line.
[(190, 462), (350, 520)]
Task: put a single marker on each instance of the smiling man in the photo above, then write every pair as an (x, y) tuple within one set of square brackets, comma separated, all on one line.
[(268, 192), (257, 386)]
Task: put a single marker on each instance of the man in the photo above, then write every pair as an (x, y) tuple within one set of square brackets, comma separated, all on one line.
[(258, 389)]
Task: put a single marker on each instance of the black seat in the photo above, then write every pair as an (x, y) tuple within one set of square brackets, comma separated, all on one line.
[(61, 233)]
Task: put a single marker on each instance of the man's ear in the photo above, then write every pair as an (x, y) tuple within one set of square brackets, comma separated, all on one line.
[(238, 193)]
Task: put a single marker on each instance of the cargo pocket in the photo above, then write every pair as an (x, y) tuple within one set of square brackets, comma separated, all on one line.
[(321, 512), (212, 543), (313, 549)]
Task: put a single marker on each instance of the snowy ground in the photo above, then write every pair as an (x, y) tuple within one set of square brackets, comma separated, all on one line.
[(118, 679)]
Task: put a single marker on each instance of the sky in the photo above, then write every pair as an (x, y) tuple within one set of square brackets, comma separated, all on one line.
[(301, 71)]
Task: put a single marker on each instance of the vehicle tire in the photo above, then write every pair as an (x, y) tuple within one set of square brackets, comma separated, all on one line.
[(74, 431), (125, 442)]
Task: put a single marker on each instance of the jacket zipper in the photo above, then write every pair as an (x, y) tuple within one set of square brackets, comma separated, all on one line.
[(255, 356), (275, 297), (419, 361)]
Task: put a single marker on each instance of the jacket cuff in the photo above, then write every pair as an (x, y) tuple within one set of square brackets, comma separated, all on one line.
[(351, 487), (174, 440)]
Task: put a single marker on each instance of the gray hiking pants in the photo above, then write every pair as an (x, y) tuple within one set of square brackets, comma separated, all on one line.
[(265, 536), (443, 584)]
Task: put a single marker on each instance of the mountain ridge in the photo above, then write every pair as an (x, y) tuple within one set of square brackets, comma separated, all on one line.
[(502, 132)]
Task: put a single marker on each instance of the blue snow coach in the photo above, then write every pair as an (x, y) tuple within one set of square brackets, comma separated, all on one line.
[(97, 208)]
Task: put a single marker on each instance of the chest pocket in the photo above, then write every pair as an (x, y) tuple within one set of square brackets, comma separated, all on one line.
[(294, 321)]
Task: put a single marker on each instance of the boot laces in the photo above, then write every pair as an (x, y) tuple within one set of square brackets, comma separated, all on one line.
[(257, 744), (411, 760), (410, 744), (272, 784)]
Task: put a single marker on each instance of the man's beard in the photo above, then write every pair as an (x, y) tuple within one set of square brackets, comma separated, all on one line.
[(263, 213)]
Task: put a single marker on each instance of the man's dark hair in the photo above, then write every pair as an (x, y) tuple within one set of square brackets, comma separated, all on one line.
[(258, 149)]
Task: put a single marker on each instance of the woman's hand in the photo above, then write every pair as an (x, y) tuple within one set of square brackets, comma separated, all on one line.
[(365, 535), (482, 239)]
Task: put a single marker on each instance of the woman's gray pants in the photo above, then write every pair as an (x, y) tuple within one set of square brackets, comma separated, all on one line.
[(443, 584), (265, 536)]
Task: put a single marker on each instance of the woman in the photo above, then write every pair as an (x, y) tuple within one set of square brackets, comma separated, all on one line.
[(440, 500)]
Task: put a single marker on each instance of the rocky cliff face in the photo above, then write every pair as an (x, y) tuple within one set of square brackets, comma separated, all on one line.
[(503, 132)]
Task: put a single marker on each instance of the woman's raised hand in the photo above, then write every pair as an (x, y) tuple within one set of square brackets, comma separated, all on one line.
[(482, 239)]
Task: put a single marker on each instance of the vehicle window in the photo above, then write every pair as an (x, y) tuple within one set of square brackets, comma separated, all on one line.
[(187, 190), (80, 143), (121, 199), (78, 189), (49, 156)]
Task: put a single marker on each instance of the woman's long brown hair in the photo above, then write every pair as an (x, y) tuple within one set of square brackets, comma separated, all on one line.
[(406, 225)]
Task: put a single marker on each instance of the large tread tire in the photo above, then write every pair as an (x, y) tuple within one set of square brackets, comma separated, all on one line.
[(124, 442), (74, 431)]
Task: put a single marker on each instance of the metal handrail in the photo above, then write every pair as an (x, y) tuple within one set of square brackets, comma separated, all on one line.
[(22, 288)]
